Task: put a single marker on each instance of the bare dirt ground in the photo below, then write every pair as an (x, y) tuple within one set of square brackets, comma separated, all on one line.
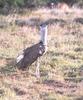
[(61, 68)]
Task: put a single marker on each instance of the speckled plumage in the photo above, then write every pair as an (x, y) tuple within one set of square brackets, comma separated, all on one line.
[(30, 55)]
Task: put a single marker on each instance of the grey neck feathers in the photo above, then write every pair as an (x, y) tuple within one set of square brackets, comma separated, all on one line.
[(43, 35)]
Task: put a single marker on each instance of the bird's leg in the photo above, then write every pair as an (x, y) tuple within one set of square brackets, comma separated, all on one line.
[(45, 48), (37, 68)]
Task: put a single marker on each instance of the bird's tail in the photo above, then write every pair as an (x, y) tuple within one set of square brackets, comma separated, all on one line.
[(20, 57)]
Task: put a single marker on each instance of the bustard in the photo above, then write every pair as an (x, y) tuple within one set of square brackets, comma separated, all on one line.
[(33, 53)]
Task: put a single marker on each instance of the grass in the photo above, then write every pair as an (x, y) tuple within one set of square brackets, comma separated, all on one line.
[(61, 67)]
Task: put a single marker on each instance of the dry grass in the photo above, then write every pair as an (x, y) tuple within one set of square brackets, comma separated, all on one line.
[(61, 68)]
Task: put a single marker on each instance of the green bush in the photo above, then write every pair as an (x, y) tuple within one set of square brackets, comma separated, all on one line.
[(71, 2), (35, 3)]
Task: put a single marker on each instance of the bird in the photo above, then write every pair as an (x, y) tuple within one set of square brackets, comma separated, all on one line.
[(34, 52)]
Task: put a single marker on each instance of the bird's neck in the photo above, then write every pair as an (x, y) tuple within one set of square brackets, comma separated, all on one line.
[(43, 33)]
